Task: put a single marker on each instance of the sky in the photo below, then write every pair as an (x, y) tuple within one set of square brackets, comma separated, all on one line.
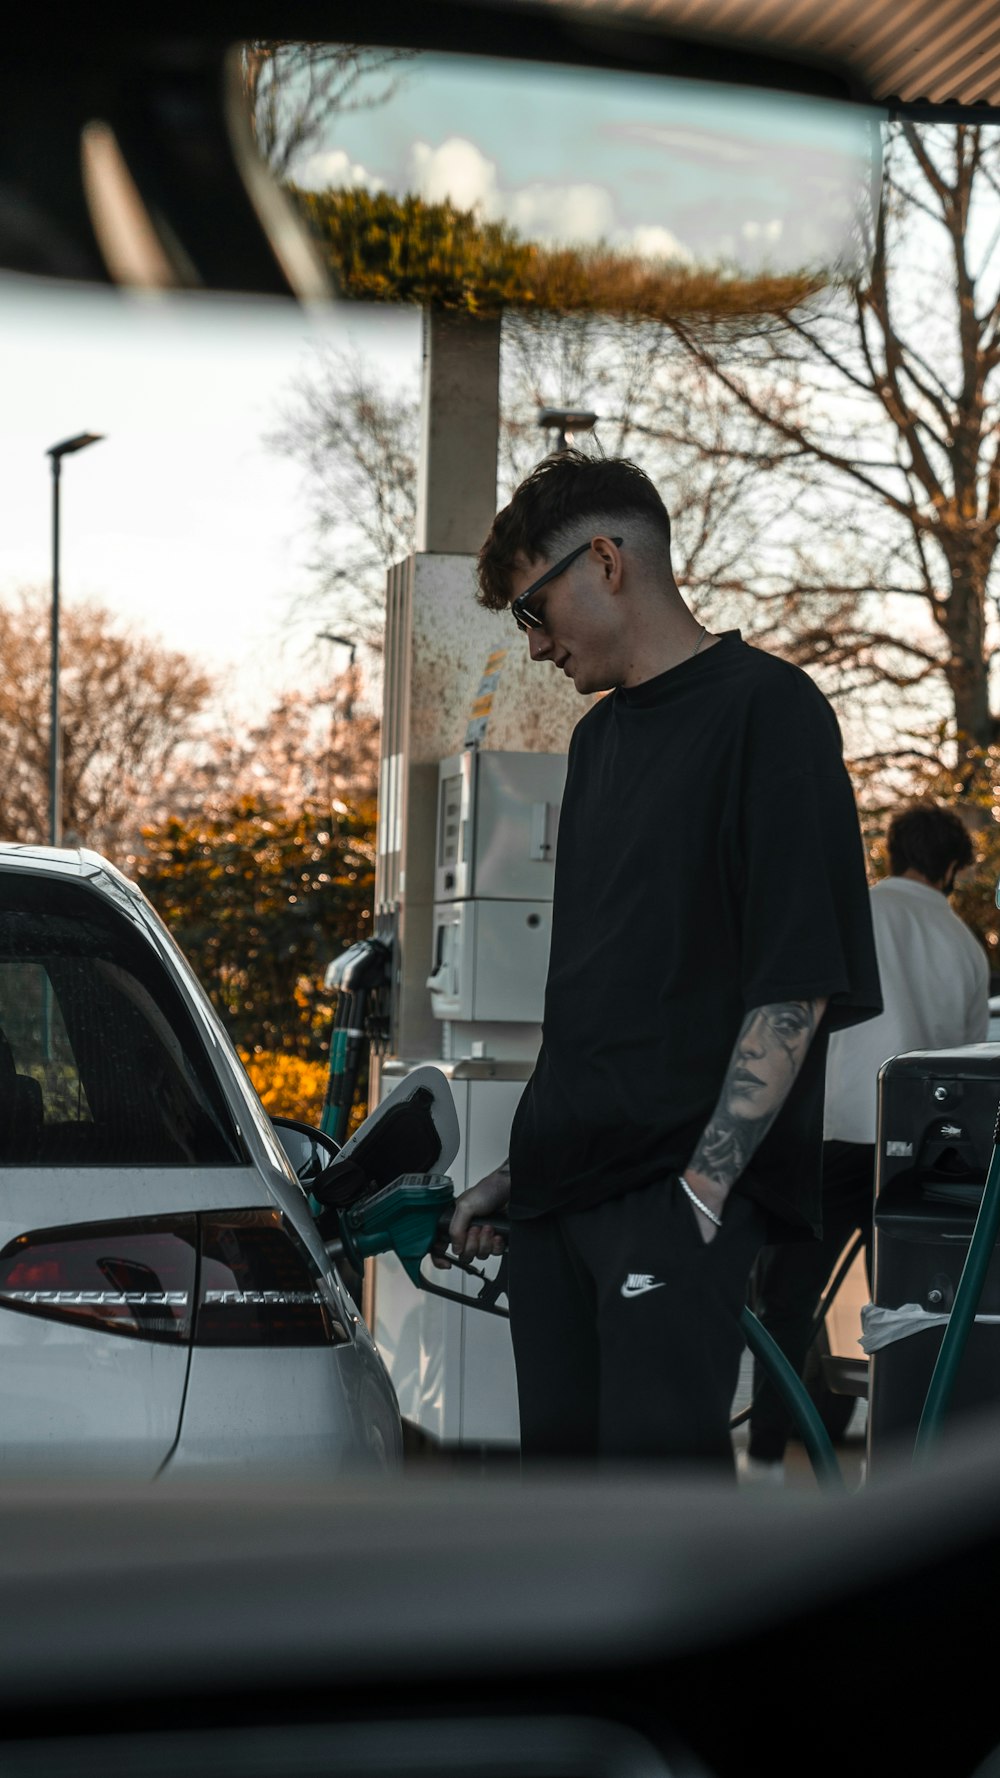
[(182, 520)]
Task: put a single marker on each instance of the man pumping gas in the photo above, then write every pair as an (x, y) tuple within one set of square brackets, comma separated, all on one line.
[(710, 930)]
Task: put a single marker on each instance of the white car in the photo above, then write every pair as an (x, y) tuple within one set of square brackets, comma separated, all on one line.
[(166, 1301)]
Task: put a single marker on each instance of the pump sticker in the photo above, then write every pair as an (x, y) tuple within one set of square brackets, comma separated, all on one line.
[(482, 704), (898, 1150)]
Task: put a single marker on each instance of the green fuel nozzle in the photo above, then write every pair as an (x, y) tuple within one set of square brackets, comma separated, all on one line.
[(403, 1218), (408, 1218)]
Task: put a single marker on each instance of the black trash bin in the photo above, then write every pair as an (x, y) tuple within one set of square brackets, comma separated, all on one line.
[(937, 1111)]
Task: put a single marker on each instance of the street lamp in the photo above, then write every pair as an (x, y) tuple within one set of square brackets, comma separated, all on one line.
[(345, 642), (349, 643), (567, 422), (57, 453)]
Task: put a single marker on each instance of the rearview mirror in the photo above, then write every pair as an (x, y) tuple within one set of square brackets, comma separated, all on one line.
[(309, 1151), (479, 181)]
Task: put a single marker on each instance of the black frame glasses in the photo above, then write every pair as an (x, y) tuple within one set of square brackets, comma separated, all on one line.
[(529, 620)]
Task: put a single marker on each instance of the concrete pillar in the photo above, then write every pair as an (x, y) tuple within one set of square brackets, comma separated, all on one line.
[(460, 416)]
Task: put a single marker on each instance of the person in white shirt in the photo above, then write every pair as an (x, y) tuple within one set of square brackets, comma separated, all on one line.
[(935, 991)]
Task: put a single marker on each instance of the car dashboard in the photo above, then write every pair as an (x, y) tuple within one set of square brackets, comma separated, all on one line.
[(568, 1627)]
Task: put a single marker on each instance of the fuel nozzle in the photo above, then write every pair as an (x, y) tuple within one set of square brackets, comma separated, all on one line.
[(402, 1218), (408, 1218)]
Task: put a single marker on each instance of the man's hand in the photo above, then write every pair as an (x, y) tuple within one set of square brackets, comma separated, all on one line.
[(470, 1234)]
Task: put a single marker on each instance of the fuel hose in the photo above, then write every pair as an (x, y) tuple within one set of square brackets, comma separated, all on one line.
[(797, 1400)]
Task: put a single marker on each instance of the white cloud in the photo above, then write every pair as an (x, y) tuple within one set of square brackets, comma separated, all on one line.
[(652, 241), (695, 144), (568, 213), (763, 231), (456, 172), (335, 170)]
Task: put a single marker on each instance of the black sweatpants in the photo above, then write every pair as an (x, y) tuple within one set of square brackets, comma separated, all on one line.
[(625, 1326), (791, 1279)]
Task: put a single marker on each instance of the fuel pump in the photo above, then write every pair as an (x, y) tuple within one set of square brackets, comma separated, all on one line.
[(496, 816), (359, 976)]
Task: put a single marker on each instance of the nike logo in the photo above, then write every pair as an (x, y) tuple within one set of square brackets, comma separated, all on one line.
[(637, 1283)]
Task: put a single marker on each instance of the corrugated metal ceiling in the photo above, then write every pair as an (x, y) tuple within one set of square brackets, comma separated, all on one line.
[(935, 51)]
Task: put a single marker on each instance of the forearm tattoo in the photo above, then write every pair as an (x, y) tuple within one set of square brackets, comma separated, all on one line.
[(766, 1059)]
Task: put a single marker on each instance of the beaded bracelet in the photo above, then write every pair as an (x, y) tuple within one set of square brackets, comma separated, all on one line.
[(696, 1201)]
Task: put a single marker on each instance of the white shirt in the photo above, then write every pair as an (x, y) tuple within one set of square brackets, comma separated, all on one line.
[(935, 988)]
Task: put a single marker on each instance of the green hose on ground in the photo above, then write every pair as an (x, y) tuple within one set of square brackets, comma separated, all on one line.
[(797, 1400)]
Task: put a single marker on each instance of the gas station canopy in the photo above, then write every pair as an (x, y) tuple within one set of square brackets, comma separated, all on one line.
[(900, 53)]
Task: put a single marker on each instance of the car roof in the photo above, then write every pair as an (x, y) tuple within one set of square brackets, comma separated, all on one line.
[(70, 863)]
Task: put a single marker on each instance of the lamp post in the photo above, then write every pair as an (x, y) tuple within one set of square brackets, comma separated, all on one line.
[(345, 642), (566, 422), (57, 453)]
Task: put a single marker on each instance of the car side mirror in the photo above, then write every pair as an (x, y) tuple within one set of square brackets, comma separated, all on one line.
[(310, 1152)]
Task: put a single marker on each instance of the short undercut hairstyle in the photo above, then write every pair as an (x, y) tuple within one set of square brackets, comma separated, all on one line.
[(929, 839), (554, 507)]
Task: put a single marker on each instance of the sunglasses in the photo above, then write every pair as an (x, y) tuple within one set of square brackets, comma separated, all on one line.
[(530, 620)]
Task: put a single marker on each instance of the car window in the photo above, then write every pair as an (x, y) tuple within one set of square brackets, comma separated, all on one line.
[(100, 1063), (37, 1040)]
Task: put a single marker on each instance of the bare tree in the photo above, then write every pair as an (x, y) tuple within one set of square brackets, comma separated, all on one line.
[(356, 440), (294, 89), (356, 436), (316, 749), (880, 405), (735, 536), (833, 471), (127, 707)]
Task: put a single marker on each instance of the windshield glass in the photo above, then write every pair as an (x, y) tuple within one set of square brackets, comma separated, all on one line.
[(783, 309)]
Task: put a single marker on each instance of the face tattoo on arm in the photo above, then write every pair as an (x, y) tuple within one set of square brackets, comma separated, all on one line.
[(766, 1059)]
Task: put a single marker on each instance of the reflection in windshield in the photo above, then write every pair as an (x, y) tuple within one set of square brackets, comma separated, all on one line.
[(565, 188)]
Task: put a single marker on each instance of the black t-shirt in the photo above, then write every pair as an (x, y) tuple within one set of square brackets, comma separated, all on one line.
[(709, 861)]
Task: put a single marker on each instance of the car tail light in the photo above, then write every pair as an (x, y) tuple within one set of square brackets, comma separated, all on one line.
[(135, 1278), (259, 1286), (222, 1278)]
